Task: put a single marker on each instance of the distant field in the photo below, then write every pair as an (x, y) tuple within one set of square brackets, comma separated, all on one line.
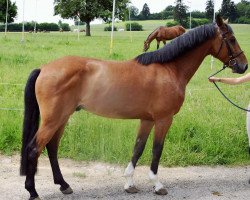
[(207, 130)]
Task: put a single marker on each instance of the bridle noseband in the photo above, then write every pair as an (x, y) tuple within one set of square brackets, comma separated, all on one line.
[(232, 57)]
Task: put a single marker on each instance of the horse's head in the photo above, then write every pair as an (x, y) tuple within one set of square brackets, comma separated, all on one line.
[(226, 48), (146, 46), (181, 30)]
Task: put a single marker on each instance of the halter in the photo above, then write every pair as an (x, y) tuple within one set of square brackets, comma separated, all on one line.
[(232, 58), (232, 62)]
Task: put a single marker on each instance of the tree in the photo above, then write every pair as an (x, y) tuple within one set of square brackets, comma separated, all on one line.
[(88, 10), (12, 11), (145, 13), (243, 9), (134, 12), (210, 10), (180, 13), (168, 12), (225, 9), (233, 12)]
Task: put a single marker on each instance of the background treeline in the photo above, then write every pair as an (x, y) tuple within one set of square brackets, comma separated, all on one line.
[(236, 13), (30, 26)]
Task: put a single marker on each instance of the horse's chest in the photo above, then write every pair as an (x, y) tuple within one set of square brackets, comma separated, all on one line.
[(171, 100)]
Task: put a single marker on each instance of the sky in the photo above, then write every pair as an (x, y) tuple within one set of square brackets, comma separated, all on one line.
[(43, 10)]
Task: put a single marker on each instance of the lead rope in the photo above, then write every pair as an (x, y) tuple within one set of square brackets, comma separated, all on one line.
[(234, 104)]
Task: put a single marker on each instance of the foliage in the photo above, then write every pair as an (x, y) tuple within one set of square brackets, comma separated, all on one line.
[(29, 26), (229, 10), (65, 27), (243, 9), (210, 10), (171, 23), (134, 12), (243, 20), (109, 28), (48, 26), (198, 14), (134, 26), (12, 11), (180, 13), (168, 12), (87, 11), (145, 13), (225, 8), (199, 22)]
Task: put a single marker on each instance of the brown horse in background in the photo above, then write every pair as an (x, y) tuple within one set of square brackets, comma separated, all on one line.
[(163, 33), (150, 87)]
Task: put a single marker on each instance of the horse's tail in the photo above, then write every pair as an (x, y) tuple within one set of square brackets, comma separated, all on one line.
[(31, 118)]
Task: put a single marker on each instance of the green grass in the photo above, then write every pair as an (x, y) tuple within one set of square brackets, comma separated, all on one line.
[(207, 130)]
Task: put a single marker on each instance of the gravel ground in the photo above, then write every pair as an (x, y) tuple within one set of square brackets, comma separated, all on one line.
[(104, 181)]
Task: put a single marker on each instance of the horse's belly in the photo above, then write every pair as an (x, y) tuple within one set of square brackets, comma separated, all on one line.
[(117, 106)]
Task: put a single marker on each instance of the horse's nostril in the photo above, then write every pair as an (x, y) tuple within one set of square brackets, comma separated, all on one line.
[(246, 67)]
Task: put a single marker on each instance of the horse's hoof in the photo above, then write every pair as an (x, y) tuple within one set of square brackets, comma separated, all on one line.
[(162, 191), (132, 190), (66, 191)]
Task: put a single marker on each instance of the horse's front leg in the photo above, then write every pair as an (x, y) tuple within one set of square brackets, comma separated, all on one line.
[(142, 136), (158, 44), (161, 128)]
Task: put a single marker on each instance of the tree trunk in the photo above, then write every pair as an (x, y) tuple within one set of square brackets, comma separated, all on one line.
[(88, 28)]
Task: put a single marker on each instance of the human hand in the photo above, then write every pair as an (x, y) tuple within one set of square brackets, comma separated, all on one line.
[(214, 79)]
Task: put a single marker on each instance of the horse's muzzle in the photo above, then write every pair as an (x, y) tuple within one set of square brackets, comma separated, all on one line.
[(239, 69)]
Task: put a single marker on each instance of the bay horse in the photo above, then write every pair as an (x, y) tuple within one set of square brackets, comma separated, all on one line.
[(163, 33), (150, 87)]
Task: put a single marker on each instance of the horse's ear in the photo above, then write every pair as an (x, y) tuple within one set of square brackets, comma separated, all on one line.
[(225, 21), (219, 20)]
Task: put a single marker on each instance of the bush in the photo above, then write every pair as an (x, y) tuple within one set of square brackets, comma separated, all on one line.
[(109, 28), (199, 22), (48, 27), (134, 26), (65, 27), (243, 20), (13, 27), (171, 23), (29, 26)]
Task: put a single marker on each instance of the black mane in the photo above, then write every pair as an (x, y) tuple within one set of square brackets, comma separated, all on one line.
[(178, 46)]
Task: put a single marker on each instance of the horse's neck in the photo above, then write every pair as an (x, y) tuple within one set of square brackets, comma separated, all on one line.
[(188, 64), (152, 36)]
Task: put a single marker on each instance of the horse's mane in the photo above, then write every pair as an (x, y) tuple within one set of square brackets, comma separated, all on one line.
[(178, 46)]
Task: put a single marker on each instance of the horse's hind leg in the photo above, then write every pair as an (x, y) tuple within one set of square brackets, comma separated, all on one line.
[(52, 148), (31, 170), (142, 136), (35, 147), (161, 128)]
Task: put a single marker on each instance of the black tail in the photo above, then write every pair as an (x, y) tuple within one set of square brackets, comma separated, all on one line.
[(31, 118)]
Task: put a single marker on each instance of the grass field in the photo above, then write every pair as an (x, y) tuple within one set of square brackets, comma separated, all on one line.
[(207, 130)]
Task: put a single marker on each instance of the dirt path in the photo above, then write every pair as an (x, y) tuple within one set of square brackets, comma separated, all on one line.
[(103, 181)]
